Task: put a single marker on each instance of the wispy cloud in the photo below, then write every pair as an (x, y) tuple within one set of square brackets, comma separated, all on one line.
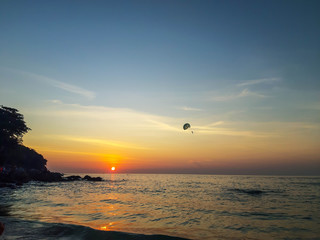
[(218, 129), (184, 108), (215, 124), (97, 141), (125, 117), (53, 150), (247, 93), (59, 84), (244, 93), (55, 101), (229, 132), (258, 81), (164, 126)]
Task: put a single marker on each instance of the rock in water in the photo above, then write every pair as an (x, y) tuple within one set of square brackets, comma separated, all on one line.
[(94, 179)]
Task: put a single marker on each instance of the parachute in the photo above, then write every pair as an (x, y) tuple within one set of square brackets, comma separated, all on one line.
[(186, 126)]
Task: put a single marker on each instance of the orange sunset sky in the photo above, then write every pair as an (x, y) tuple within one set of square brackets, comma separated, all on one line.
[(110, 84)]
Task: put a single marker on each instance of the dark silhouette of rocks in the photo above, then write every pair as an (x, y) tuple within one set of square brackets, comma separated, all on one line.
[(73, 178), (94, 179), (21, 176), (85, 178)]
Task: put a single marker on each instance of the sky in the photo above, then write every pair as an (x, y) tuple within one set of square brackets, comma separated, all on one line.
[(110, 84)]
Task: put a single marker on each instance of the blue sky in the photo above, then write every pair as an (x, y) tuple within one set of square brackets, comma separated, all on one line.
[(249, 66)]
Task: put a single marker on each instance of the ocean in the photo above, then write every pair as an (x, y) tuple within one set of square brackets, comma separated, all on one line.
[(156, 206)]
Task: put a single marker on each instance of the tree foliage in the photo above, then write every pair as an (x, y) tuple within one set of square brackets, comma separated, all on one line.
[(12, 152), (22, 156), (12, 126)]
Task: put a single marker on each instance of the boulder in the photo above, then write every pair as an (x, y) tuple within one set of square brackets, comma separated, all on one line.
[(73, 178), (94, 179), (48, 177)]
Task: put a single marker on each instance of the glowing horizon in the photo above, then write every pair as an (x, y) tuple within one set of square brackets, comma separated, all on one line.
[(156, 144)]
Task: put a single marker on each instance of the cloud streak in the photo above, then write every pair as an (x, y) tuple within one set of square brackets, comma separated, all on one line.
[(185, 108), (99, 142), (244, 93), (217, 128), (258, 81), (59, 84), (127, 118)]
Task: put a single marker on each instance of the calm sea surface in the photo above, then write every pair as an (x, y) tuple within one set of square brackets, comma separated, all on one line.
[(190, 206)]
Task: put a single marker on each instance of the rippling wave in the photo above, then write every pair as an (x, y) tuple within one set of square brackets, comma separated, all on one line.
[(35, 230), (189, 206)]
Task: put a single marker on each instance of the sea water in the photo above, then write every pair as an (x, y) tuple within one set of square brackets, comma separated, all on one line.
[(189, 206)]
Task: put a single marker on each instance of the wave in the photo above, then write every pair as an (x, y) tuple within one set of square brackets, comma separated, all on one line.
[(253, 192), (256, 192), (35, 230)]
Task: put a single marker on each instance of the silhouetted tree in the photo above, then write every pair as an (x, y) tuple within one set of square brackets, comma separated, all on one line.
[(27, 158), (12, 126), (12, 152)]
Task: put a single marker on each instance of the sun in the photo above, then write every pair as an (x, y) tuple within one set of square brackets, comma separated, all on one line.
[(113, 169)]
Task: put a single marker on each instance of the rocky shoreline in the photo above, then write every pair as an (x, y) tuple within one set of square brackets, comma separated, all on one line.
[(18, 177)]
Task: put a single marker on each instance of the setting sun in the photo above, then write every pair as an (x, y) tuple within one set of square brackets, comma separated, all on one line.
[(113, 168)]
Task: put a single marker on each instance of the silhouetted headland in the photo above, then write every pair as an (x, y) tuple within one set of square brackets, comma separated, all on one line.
[(18, 163)]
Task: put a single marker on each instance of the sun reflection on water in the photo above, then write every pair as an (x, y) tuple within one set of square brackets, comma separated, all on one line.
[(108, 227), (171, 204)]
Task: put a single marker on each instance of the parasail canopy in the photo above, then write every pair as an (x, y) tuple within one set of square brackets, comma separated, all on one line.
[(186, 126)]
